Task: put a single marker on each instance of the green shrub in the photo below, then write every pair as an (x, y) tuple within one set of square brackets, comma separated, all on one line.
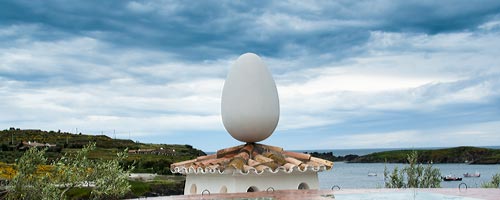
[(494, 183), (67, 173), (414, 175)]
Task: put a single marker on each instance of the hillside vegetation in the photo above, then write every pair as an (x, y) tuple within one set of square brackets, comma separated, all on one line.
[(106, 148), (464, 154), (146, 158)]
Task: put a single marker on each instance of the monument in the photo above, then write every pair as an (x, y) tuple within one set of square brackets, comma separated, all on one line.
[(250, 113)]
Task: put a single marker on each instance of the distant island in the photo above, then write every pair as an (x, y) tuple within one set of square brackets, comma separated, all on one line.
[(463, 154)]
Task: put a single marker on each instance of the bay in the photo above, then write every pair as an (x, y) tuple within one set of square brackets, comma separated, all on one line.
[(355, 175), (362, 152)]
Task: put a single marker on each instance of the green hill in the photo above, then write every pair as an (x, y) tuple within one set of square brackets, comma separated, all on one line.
[(65, 139), (464, 154), (147, 158), (154, 158)]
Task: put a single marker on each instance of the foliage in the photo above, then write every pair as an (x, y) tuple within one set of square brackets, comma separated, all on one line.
[(110, 179), (472, 155), (62, 139), (414, 175), (78, 141), (35, 180), (106, 148), (7, 171), (395, 179), (73, 169), (329, 156), (494, 183), (27, 183), (160, 186)]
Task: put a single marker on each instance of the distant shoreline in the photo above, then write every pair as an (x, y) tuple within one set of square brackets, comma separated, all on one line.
[(366, 151), (464, 154)]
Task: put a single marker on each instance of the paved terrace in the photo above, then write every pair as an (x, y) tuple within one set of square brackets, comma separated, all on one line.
[(441, 193)]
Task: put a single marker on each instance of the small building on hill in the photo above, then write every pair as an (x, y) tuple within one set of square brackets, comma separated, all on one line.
[(26, 145)]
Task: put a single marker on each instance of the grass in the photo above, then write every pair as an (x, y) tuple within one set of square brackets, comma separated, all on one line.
[(170, 178), (139, 188), (159, 185)]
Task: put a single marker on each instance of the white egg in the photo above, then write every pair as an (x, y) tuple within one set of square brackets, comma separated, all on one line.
[(250, 103)]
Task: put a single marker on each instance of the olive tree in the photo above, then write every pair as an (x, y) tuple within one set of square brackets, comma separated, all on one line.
[(414, 175), (73, 170), (110, 179), (28, 183), (107, 178)]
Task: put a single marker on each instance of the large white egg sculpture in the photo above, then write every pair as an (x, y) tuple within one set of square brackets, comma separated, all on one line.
[(250, 103)]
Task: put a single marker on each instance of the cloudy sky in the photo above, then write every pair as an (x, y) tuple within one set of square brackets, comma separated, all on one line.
[(350, 74)]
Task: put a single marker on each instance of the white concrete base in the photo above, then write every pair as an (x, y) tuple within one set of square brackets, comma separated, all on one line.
[(232, 183)]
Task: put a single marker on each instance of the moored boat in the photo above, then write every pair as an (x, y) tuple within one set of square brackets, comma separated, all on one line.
[(372, 174), (451, 178), (477, 174)]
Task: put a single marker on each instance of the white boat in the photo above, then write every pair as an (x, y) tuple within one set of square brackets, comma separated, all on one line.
[(477, 174)]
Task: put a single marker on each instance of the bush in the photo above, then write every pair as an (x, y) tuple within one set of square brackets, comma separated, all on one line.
[(413, 176), (494, 183), (67, 173)]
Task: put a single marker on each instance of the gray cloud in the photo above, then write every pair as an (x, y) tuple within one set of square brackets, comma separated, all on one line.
[(207, 30), (342, 68)]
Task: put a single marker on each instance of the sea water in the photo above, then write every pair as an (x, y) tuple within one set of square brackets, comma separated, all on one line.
[(355, 175), (399, 196), (362, 152)]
